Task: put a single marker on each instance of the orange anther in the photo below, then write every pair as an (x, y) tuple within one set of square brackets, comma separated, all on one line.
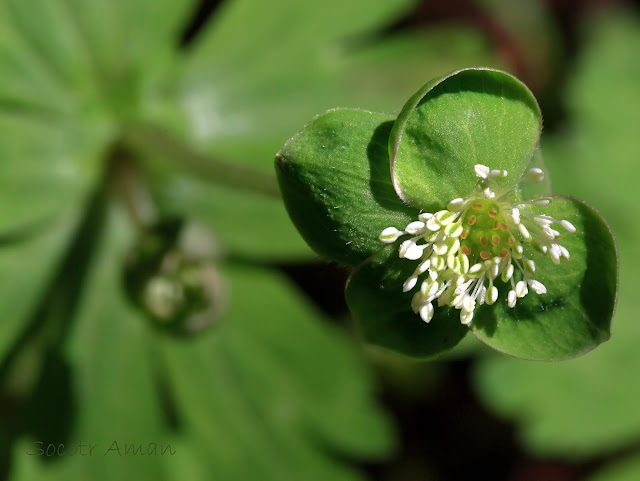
[(496, 224), (472, 220), (464, 234), (503, 227), (465, 250), (504, 253), (493, 213), (485, 255), (484, 241), (495, 240), (477, 206)]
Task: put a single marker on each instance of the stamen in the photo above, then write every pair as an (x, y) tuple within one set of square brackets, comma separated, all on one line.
[(475, 241)]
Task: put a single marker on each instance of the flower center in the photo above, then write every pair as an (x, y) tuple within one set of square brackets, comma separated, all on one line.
[(474, 244), (485, 233)]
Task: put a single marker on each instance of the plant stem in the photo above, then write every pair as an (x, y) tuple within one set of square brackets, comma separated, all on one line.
[(160, 144), (126, 178)]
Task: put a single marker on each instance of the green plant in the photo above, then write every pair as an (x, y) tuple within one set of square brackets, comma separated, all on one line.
[(351, 177)]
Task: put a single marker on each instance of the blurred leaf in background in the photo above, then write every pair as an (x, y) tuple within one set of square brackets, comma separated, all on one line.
[(107, 126), (587, 407)]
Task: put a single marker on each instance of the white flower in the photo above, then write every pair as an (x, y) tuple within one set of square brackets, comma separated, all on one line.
[(462, 249)]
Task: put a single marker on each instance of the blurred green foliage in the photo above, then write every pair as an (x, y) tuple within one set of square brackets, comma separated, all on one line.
[(272, 390), (108, 125)]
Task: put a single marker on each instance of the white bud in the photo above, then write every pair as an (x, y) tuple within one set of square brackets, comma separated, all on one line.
[(410, 250), (492, 295), (482, 171), (515, 213), (535, 175), (426, 312), (415, 227), (511, 298), (569, 227), (537, 287), (409, 283), (507, 273), (542, 202), (521, 289), (432, 224), (390, 235), (466, 317), (523, 230), (440, 249), (530, 266), (468, 304), (455, 205), (475, 268)]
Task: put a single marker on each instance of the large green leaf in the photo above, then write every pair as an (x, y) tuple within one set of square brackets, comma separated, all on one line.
[(267, 387), (334, 177), (472, 116), (383, 311), (574, 316)]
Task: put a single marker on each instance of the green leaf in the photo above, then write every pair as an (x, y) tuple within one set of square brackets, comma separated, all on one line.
[(383, 311), (574, 316), (27, 266), (69, 68), (247, 225), (576, 409), (266, 388), (472, 116), (625, 470), (334, 177), (240, 99), (114, 394)]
